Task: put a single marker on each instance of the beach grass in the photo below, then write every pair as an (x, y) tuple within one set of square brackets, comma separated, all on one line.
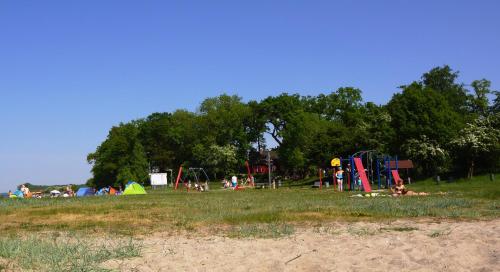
[(37, 253)]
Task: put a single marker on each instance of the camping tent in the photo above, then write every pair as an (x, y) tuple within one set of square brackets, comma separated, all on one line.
[(84, 191), (134, 188), (102, 191), (112, 191), (19, 194), (55, 193)]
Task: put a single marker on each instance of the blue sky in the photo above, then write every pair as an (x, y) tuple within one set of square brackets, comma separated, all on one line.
[(69, 70)]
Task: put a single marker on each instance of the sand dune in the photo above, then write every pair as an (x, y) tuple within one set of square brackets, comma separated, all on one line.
[(396, 246)]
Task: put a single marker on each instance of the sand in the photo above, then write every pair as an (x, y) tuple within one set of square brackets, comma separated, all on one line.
[(360, 246)]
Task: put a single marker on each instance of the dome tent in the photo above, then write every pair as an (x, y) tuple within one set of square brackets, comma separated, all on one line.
[(134, 188), (18, 194), (84, 191)]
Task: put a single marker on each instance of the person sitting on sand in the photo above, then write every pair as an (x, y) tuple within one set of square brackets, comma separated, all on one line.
[(399, 190)]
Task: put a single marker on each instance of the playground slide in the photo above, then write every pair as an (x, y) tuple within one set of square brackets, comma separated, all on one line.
[(361, 172), (395, 175)]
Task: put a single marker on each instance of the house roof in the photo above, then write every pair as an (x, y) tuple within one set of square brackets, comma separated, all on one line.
[(401, 164)]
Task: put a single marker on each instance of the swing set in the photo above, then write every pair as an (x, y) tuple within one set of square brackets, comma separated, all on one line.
[(198, 174)]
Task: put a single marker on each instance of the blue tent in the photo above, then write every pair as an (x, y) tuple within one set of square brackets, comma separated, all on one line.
[(103, 191), (19, 194), (85, 191)]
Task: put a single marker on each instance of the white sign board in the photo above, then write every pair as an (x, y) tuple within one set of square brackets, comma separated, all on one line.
[(158, 179)]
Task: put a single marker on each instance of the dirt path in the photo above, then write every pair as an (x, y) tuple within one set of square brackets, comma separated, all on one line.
[(398, 246)]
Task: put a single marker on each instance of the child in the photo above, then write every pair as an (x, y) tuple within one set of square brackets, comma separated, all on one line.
[(357, 182), (340, 179), (234, 182)]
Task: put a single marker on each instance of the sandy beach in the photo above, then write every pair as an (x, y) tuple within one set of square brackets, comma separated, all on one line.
[(395, 246)]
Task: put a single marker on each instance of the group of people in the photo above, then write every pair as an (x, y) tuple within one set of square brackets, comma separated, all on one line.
[(233, 184), (67, 192), (22, 192)]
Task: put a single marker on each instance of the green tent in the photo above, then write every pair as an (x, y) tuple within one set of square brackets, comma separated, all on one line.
[(134, 188)]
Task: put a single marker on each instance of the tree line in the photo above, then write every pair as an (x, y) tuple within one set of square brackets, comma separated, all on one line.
[(444, 126)]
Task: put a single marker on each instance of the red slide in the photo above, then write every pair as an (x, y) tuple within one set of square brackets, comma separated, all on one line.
[(395, 175), (361, 172)]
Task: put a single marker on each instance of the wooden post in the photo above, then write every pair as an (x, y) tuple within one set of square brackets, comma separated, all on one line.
[(334, 178), (269, 168), (250, 178), (320, 179), (178, 177)]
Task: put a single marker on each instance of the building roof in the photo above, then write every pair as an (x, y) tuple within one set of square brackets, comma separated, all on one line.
[(401, 164)]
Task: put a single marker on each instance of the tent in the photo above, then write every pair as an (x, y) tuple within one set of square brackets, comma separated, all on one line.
[(84, 191), (102, 191), (19, 194), (134, 188), (55, 193), (112, 191)]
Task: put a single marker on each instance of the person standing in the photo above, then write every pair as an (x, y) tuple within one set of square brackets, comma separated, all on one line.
[(340, 179)]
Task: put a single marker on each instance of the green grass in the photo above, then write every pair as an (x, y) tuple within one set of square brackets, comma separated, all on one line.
[(237, 214), (478, 188), (218, 210), (45, 254)]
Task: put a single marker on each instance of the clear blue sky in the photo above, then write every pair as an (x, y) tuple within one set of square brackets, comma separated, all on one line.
[(69, 70)]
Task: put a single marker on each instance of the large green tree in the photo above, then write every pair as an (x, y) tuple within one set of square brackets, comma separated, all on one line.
[(479, 139), (120, 158), (278, 111), (443, 80), (218, 160), (419, 111), (224, 121), (435, 121)]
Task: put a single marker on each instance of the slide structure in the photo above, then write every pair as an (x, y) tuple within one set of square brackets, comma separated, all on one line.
[(395, 175), (361, 172)]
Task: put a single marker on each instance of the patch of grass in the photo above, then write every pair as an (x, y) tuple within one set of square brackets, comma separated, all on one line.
[(327, 230), (439, 233), (273, 230), (362, 231), (399, 229), (42, 254)]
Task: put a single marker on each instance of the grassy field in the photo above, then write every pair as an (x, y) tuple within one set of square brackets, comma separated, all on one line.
[(39, 234), (166, 210)]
